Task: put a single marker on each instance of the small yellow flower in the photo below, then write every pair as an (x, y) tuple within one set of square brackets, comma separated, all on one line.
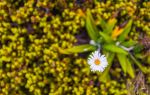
[(80, 13), (117, 31), (112, 20), (97, 61)]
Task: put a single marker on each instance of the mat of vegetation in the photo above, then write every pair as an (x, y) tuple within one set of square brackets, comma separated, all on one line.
[(37, 37)]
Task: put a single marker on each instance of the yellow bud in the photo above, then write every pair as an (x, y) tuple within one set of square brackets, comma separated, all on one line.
[(80, 13), (117, 31)]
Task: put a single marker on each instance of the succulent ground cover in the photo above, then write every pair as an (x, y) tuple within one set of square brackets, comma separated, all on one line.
[(33, 34)]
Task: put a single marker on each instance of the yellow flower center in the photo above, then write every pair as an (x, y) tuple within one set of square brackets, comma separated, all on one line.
[(97, 61)]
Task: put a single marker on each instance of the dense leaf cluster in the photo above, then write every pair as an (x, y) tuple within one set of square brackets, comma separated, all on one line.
[(32, 33)]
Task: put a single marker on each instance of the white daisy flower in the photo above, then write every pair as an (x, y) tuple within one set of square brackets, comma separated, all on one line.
[(97, 61)]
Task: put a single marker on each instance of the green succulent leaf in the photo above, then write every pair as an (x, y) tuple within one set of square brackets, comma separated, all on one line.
[(130, 70), (105, 76), (110, 25), (138, 48), (91, 27), (115, 49), (106, 37), (107, 26), (78, 49), (129, 43), (103, 23), (125, 32), (139, 55), (122, 60), (137, 63)]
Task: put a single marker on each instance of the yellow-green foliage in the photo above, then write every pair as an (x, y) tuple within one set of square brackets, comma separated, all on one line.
[(31, 33)]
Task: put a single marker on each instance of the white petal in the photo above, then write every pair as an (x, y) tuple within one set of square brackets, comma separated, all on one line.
[(96, 55)]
